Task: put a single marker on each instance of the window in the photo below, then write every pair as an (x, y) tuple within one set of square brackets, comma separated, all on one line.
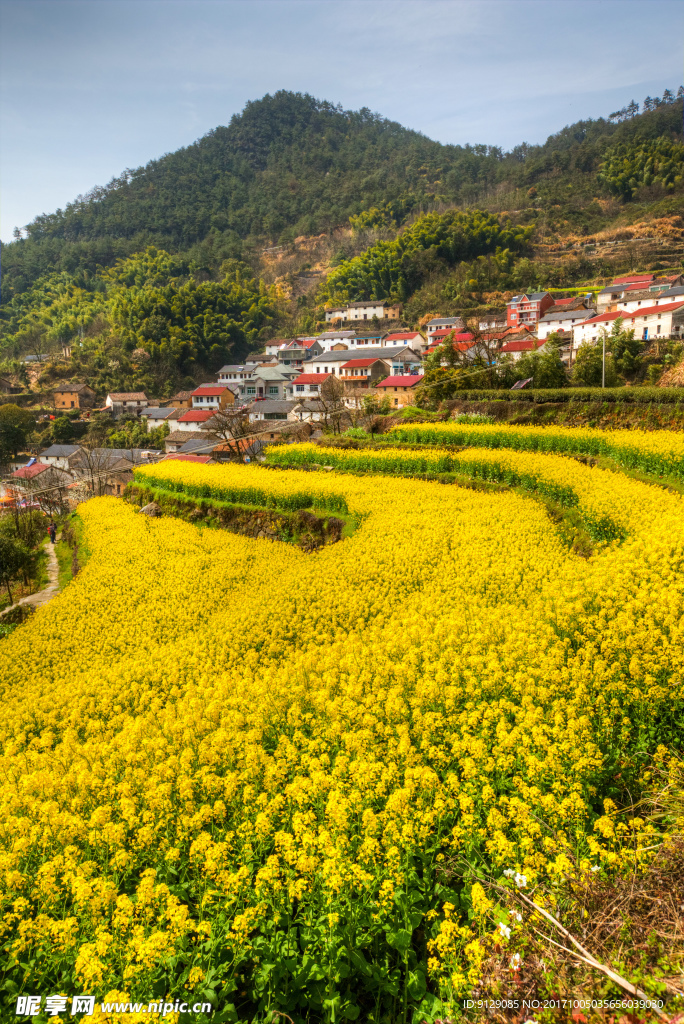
[(251, 391), (658, 330), (273, 390), (299, 387)]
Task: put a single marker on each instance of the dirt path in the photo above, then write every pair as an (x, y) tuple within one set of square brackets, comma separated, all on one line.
[(42, 596)]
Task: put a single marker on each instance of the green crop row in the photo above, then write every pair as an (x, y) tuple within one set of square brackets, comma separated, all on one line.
[(659, 453), (253, 496)]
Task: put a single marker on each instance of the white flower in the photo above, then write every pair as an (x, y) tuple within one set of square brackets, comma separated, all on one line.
[(596, 867), (516, 962), (515, 914), (521, 881), (505, 931), (509, 872)]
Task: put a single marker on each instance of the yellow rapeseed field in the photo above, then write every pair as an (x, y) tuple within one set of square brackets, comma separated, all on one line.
[(260, 776)]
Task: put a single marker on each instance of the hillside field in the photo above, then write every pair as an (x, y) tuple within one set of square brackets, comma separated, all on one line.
[(325, 786)]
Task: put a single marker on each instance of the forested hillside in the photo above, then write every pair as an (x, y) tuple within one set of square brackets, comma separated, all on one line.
[(291, 165)]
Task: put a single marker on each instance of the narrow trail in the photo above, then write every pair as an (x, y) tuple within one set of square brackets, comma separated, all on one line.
[(42, 597)]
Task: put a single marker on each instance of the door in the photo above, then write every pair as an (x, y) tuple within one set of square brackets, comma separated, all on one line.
[(645, 333)]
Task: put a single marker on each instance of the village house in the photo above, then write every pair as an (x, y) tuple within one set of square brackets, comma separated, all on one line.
[(401, 390), (236, 372), (516, 349), (608, 297), (63, 456), (292, 355), (336, 313), (444, 323), (308, 385), (362, 372), (366, 309), (8, 388), (269, 410), (195, 419), (181, 400), (397, 360), (308, 411), (591, 330), (329, 338), (126, 403), (29, 480), (156, 415), (267, 383), (527, 308), (413, 339), (73, 396), (560, 320), (174, 441), (212, 396), (656, 321)]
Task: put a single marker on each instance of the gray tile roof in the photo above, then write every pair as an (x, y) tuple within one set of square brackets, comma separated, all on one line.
[(674, 292), (269, 373), (270, 406), (60, 451), (335, 334), (198, 442), (364, 353), (159, 413), (367, 302), (445, 321), (568, 314)]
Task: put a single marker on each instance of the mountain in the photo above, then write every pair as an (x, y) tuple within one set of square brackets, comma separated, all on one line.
[(292, 165)]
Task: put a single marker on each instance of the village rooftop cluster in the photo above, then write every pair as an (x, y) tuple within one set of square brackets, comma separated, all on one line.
[(284, 386)]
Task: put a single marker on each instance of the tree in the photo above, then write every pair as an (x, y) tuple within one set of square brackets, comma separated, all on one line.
[(12, 440), (22, 418), (545, 367), (231, 426), (624, 347), (15, 562), (588, 368), (331, 403), (62, 430)]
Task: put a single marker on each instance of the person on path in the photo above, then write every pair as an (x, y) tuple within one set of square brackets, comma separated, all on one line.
[(52, 531)]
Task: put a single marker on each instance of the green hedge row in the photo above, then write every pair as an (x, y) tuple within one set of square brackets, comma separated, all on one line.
[(634, 396)]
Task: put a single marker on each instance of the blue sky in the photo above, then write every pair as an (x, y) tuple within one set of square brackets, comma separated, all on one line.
[(90, 87)]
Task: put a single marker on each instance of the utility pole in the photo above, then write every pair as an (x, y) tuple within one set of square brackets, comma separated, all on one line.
[(603, 375)]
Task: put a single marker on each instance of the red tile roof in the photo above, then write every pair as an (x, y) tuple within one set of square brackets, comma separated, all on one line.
[(311, 378), (28, 472), (667, 307), (634, 277), (603, 318), (210, 392), (353, 363), (403, 381), (196, 415), (403, 335), (564, 302), (522, 346)]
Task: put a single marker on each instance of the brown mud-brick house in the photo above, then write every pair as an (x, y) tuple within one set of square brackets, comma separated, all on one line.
[(73, 396), (182, 400), (401, 390)]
